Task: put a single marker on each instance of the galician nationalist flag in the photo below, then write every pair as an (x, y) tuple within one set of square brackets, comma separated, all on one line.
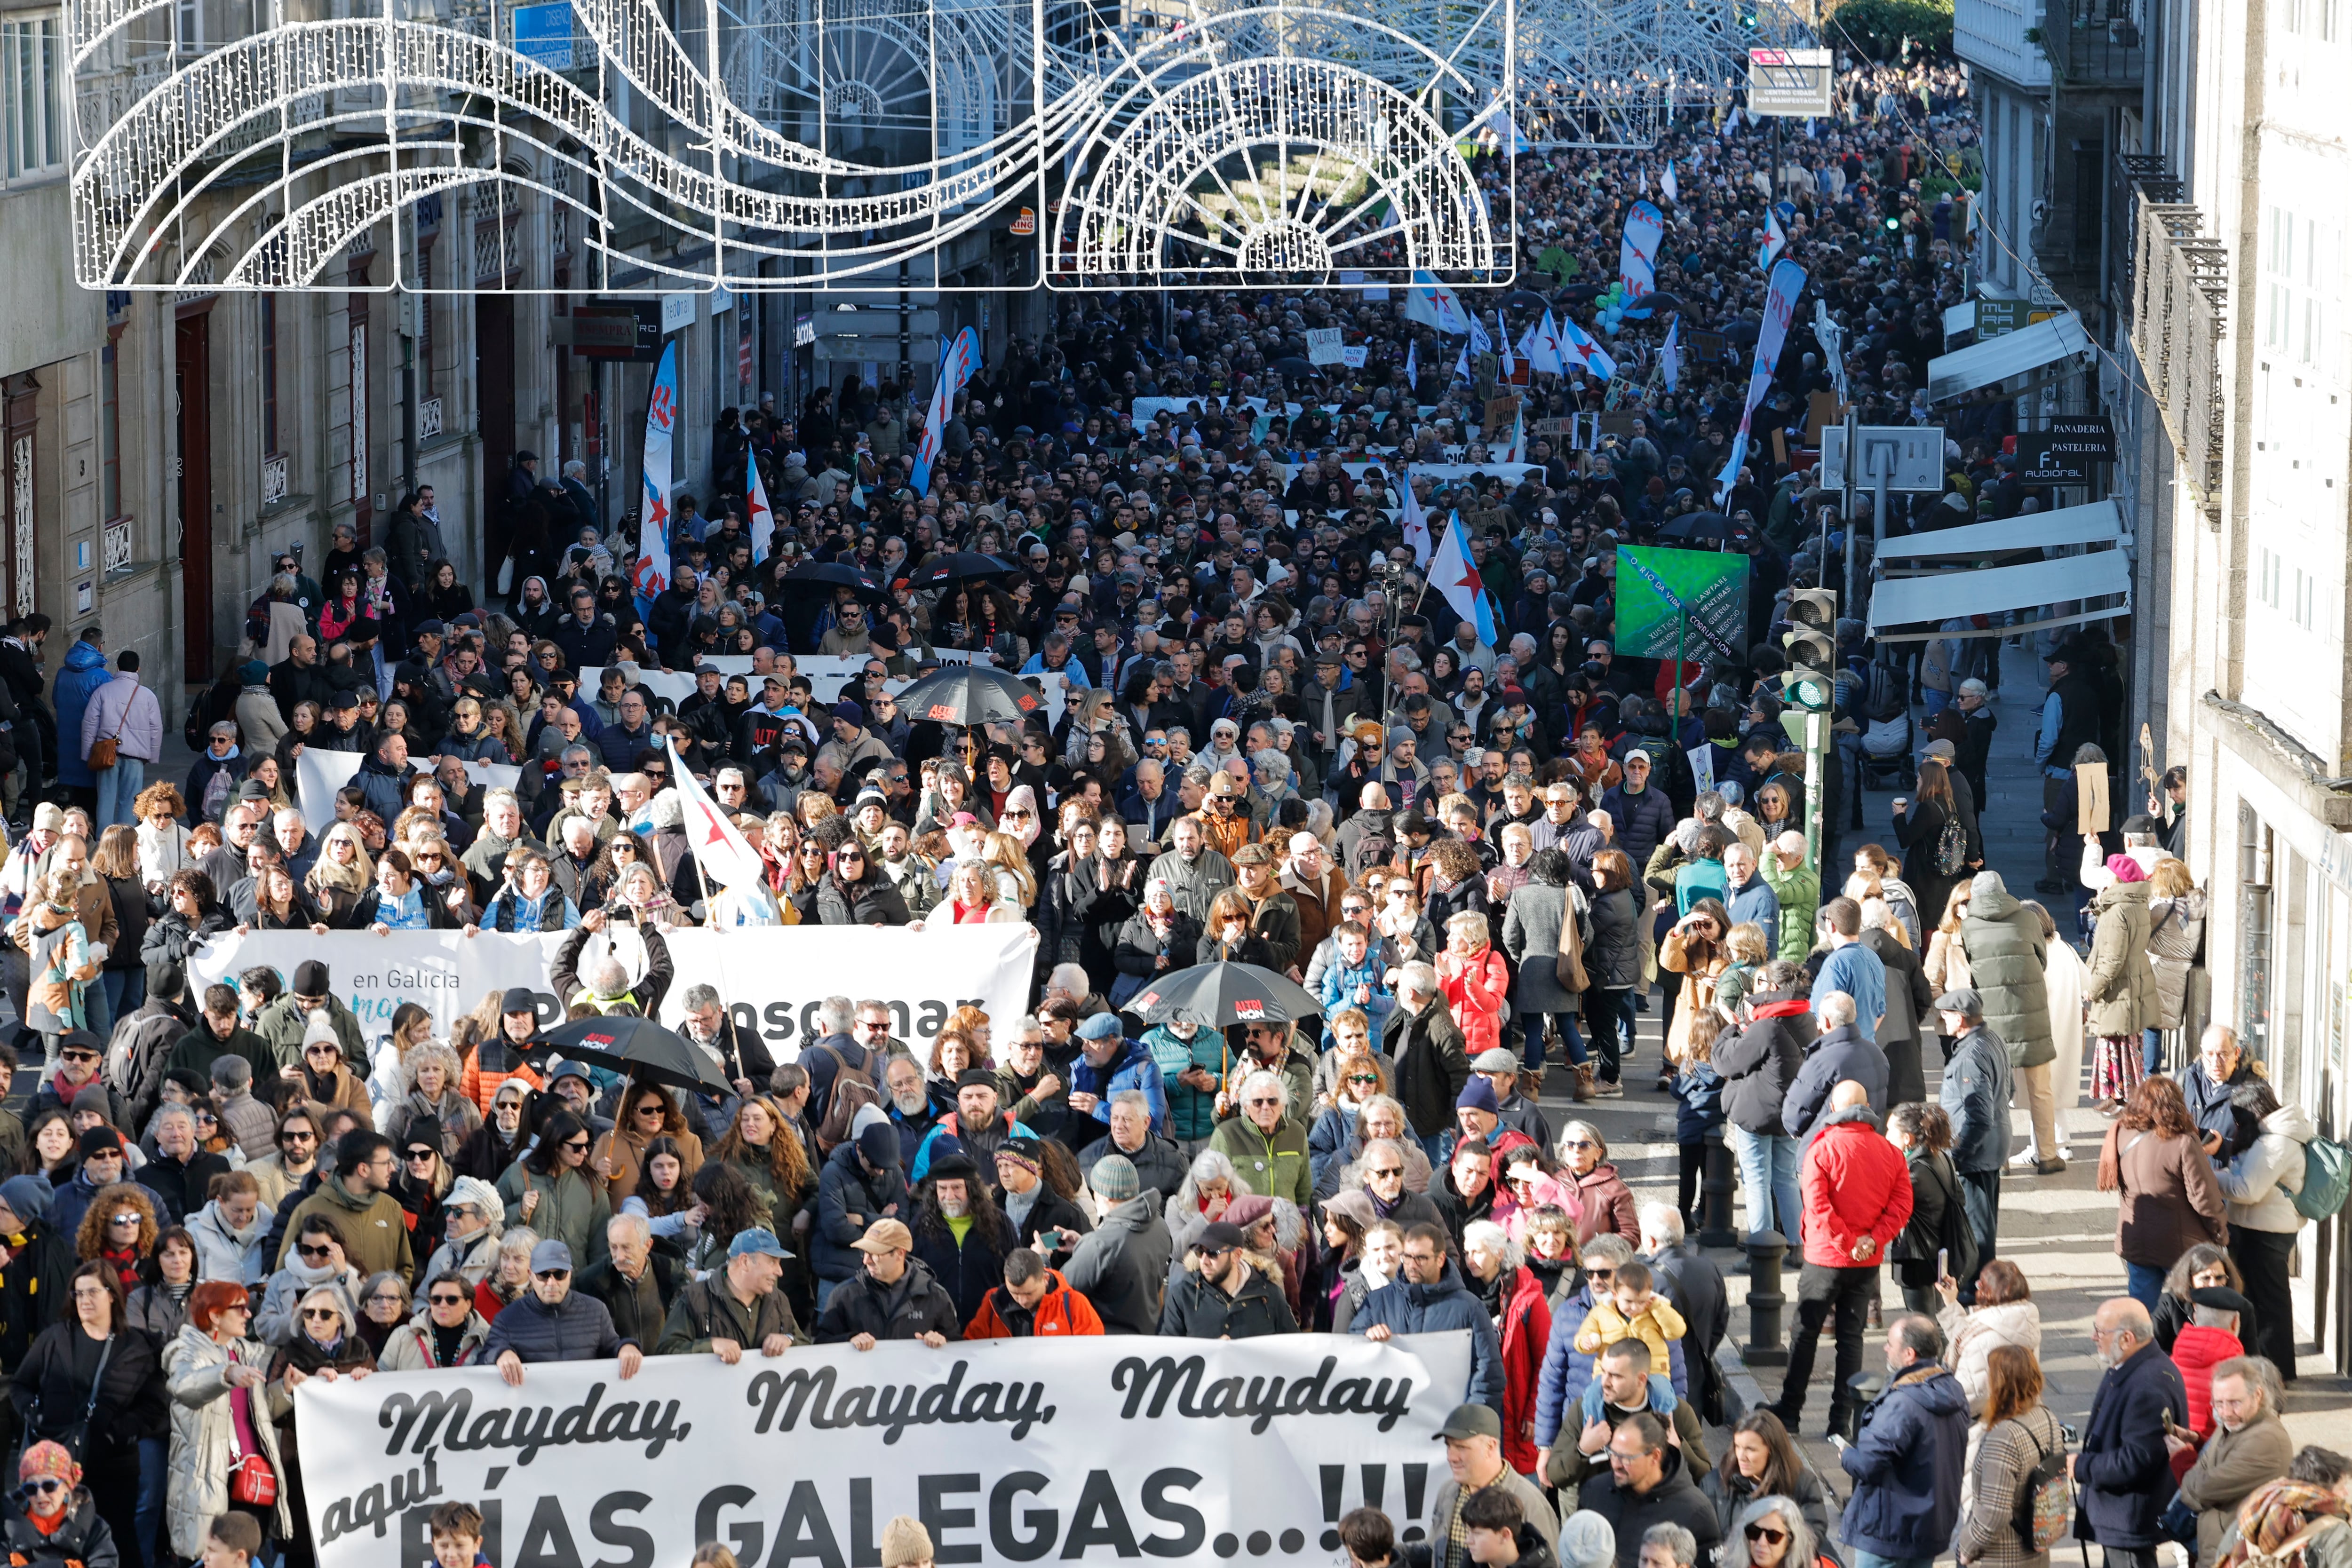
[(727, 859), (1670, 354), (763, 521), (1510, 364), (1776, 240), (1543, 349), (1578, 348), (1415, 525), (650, 574), (956, 367), (1673, 191), (1412, 362), (1455, 576), (1433, 304)]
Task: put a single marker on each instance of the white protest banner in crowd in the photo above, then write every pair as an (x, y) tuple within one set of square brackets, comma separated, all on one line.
[(772, 978), (317, 776), (1008, 1450)]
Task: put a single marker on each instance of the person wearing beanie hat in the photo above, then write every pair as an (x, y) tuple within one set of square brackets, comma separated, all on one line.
[(1121, 1266), (906, 1543), (54, 1520), (1586, 1541), (259, 720), (104, 1161), (37, 1280), (285, 1024), (1039, 1216), (862, 1183)]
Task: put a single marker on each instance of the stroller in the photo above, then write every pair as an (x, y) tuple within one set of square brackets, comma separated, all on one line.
[(1887, 735)]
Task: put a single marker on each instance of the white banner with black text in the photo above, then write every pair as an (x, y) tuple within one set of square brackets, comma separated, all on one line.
[(772, 978), (1096, 1449)]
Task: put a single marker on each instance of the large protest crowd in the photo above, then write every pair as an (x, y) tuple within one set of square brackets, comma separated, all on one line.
[(1486, 859)]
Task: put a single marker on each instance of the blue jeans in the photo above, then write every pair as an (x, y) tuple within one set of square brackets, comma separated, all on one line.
[(118, 787), (120, 991), (2152, 1050), (1571, 1041), (98, 1017), (154, 1479), (2143, 1283), (1434, 1148), (1767, 1164), (1873, 1560)]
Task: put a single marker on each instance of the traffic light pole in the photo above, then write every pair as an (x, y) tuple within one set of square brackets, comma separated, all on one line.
[(1817, 727)]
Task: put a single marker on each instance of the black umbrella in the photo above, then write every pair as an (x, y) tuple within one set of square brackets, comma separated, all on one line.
[(1580, 293), (1697, 526), (1743, 330), (1215, 995), (1525, 300), (941, 571), (1658, 302), (640, 1047), (1291, 365), (822, 576), (970, 694)]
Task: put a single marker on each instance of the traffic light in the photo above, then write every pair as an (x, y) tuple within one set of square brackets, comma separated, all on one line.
[(1808, 684)]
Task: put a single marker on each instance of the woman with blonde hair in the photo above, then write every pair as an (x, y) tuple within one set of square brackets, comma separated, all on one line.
[(340, 888), (972, 900), (1227, 938), (1745, 951), (1476, 982), (1947, 962), (429, 1074), (1016, 880), (2176, 930)]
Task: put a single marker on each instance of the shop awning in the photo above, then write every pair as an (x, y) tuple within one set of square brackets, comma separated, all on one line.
[(2099, 523), (2010, 354), (1924, 603)]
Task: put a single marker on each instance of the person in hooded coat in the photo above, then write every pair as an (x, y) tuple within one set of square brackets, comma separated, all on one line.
[(2119, 982)]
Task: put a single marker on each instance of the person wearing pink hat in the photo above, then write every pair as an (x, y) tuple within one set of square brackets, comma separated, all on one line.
[(53, 1520)]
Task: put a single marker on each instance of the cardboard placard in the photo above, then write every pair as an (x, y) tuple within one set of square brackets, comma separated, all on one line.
[(2092, 810)]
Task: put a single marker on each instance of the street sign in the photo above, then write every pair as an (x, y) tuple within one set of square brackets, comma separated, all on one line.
[(1917, 453), (1999, 317), (629, 330), (543, 35), (2088, 435), (1792, 83), (2057, 457)]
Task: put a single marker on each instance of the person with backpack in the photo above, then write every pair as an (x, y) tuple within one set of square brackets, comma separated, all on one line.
[(1939, 841), (845, 1069), (2267, 1208), (2020, 1502)]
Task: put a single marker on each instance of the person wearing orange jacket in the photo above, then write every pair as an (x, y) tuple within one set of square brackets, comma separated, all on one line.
[(1857, 1198), (1034, 1303)]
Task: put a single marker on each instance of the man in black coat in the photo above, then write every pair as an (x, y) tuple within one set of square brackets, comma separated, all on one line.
[(2123, 1470), (20, 669), (1695, 1285), (895, 1296), (1648, 1484), (1218, 1294)]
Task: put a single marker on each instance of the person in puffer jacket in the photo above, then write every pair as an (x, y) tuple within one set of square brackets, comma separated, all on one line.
[(1858, 1199), (550, 1322), (1429, 1297), (861, 1183), (1907, 1460), (2260, 1185)]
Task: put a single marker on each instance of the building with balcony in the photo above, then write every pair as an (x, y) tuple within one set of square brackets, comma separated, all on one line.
[(2009, 81)]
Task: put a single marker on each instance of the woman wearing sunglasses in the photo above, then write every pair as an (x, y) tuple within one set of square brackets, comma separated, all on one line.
[(445, 1331), (220, 1412), (88, 1353), (326, 1345)]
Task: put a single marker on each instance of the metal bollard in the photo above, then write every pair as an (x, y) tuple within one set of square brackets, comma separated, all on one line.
[(1714, 1187), (1764, 1299)]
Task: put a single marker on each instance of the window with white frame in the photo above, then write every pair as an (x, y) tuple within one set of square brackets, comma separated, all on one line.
[(32, 71), (2278, 278), (2269, 568), (2301, 268)]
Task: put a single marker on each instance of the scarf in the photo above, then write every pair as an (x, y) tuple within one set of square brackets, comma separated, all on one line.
[(2275, 1515)]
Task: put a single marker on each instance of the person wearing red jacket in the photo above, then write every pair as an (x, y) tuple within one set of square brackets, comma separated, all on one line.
[(1857, 1198), (1494, 1269), (1034, 1303), (2209, 1339)]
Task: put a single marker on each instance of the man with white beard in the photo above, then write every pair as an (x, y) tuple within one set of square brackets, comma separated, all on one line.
[(2123, 1469)]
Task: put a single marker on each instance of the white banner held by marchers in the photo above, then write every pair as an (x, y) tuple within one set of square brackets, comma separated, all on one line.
[(1008, 1450), (317, 776), (773, 979)]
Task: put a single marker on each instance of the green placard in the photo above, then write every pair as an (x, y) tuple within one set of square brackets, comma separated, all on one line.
[(1656, 585)]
